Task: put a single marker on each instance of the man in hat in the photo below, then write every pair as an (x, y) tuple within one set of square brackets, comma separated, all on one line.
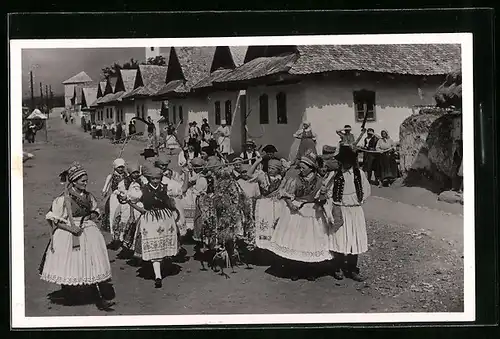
[(348, 237), (370, 158), (194, 136), (346, 137), (205, 125), (250, 154)]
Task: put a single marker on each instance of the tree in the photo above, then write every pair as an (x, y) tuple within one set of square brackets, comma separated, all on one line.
[(158, 61), (116, 67)]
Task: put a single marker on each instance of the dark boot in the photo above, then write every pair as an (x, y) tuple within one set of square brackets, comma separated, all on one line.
[(338, 264), (102, 304), (351, 268)]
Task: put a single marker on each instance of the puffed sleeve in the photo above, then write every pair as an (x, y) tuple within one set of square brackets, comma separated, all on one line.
[(367, 189), (95, 205), (287, 188), (106, 183), (174, 188), (181, 160), (57, 210), (121, 187), (200, 186)]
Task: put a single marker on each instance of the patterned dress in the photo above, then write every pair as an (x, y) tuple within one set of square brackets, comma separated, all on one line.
[(127, 217), (157, 229), (64, 263), (267, 210), (304, 235)]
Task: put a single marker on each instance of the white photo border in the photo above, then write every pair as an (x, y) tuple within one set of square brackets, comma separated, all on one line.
[(19, 319)]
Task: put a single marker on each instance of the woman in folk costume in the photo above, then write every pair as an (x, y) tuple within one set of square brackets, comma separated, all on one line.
[(224, 139), (348, 237), (157, 229), (388, 168), (305, 141), (129, 189), (76, 254), (174, 190), (268, 207), (110, 192), (301, 234)]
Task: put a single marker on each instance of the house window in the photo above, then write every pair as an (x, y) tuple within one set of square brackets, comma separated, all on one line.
[(143, 112), (217, 113), (152, 49), (281, 110), (264, 109), (228, 112), (138, 113), (111, 113), (181, 115), (364, 101), (174, 114)]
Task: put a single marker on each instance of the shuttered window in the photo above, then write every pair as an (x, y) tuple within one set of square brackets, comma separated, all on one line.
[(264, 109)]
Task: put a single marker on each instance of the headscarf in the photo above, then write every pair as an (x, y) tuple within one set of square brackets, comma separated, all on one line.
[(73, 173), (275, 164), (309, 160), (162, 160), (197, 162), (306, 124), (388, 136), (134, 167), (118, 162)]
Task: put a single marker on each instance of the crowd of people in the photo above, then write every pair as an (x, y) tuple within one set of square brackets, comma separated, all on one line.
[(306, 209)]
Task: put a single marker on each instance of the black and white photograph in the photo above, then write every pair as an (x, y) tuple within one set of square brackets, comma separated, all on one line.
[(242, 180)]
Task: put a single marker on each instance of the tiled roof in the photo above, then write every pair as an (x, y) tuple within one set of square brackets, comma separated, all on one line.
[(260, 67), (81, 77), (153, 78), (208, 81), (174, 86), (411, 59)]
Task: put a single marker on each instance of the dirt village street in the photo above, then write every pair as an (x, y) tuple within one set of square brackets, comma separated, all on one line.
[(414, 263)]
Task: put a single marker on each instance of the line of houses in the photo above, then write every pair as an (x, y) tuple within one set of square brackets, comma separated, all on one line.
[(266, 92)]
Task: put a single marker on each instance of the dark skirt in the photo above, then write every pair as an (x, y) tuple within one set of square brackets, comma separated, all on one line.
[(388, 168)]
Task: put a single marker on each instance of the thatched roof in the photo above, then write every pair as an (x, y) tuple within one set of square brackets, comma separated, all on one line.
[(81, 77), (149, 79), (413, 59)]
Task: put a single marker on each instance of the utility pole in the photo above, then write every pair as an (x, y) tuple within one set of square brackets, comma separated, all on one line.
[(41, 96), (51, 96), (47, 98), (32, 92)]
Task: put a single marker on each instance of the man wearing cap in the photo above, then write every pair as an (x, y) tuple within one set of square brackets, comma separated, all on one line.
[(370, 158), (250, 154), (195, 136), (346, 137)]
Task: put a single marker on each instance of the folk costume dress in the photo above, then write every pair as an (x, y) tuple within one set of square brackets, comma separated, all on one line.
[(197, 188), (174, 190), (302, 236), (111, 190), (70, 259), (157, 229), (349, 191), (305, 142), (125, 229), (224, 139), (388, 168)]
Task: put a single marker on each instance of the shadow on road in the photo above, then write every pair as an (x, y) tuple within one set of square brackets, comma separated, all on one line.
[(168, 268), (81, 295)]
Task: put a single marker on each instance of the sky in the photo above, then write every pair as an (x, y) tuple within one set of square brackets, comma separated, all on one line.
[(53, 66)]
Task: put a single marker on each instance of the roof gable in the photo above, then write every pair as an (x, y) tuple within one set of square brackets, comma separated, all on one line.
[(81, 77), (126, 80), (110, 84), (89, 96), (195, 62), (223, 59), (101, 86), (174, 69)]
